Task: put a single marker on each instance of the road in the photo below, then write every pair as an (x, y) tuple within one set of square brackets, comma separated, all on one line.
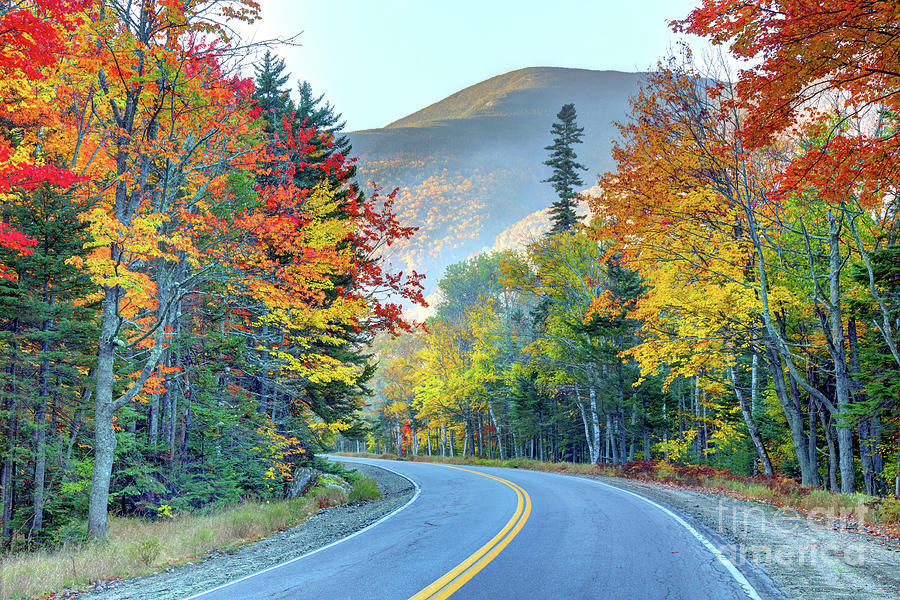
[(491, 533)]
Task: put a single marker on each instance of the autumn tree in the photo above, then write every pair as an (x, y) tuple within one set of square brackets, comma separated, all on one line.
[(831, 72), (174, 123), (827, 74), (31, 41), (679, 207), (171, 276)]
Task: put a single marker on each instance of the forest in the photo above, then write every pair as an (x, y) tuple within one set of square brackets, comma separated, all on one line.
[(194, 296), (189, 275), (732, 300)]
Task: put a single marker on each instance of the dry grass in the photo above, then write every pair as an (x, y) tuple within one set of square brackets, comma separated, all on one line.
[(778, 491), (512, 463), (137, 547)]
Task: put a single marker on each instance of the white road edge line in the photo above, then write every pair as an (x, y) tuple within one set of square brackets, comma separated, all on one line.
[(738, 576), (334, 543)]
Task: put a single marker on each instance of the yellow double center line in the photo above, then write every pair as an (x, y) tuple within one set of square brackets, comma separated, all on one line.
[(456, 577)]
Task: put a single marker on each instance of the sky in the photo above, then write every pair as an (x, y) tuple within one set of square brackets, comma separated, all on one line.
[(379, 60)]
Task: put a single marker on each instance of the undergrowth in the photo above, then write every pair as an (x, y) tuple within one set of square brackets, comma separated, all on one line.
[(138, 546)]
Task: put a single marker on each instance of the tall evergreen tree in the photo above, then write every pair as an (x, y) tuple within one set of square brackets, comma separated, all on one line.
[(565, 177), (271, 96), (311, 112)]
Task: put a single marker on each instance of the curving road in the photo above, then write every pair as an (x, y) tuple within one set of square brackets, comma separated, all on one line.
[(490, 533)]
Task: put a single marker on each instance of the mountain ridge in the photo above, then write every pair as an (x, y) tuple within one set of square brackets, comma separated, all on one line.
[(472, 100)]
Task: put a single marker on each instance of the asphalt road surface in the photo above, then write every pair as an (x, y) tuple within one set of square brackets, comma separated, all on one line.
[(491, 533)]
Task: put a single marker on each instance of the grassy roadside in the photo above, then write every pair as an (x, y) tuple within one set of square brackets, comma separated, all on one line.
[(879, 515), (139, 547)]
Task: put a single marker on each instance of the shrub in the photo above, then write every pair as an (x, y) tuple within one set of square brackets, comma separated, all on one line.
[(146, 551), (665, 471), (640, 469), (364, 488), (323, 497), (202, 537), (888, 510)]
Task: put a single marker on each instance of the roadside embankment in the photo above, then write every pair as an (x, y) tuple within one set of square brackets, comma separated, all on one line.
[(227, 544)]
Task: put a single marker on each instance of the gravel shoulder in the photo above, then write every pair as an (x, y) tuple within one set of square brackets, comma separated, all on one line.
[(809, 558), (327, 526)]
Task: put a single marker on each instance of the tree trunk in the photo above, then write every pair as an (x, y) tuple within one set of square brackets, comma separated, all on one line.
[(480, 432), (843, 382), (465, 438), (591, 423), (865, 458), (515, 442), (104, 435), (498, 431), (812, 436), (8, 470), (665, 431), (40, 450), (754, 383), (755, 437), (612, 445), (104, 452), (897, 478), (631, 436), (646, 436), (106, 405), (871, 455), (792, 414), (832, 452), (540, 441), (879, 485), (40, 424), (695, 410), (186, 420), (869, 429), (172, 410), (845, 456), (153, 425)]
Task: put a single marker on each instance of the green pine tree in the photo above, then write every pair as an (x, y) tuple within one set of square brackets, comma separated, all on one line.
[(314, 111), (271, 96), (47, 330), (565, 177)]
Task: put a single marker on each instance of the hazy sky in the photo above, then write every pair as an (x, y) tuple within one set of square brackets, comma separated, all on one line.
[(379, 60)]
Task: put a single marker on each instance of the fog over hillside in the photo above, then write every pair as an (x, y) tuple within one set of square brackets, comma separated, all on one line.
[(470, 166)]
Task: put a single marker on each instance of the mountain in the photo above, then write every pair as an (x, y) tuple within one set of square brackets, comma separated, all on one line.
[(470, 166)]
